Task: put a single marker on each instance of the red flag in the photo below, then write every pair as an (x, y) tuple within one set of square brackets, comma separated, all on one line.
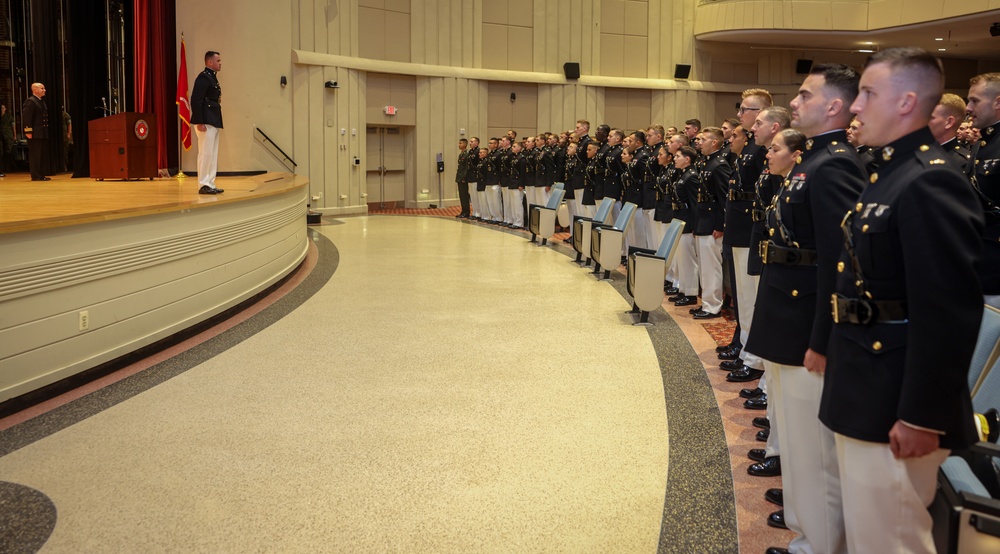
[(183, 104)]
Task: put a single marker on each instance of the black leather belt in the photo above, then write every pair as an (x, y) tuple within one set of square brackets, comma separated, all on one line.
[(858, 311), (758, 215), (741, 196), (705, 199), (771, 253), (680, 205)]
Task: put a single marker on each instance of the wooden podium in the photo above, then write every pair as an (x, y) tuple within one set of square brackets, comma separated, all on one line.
[(123, 146)]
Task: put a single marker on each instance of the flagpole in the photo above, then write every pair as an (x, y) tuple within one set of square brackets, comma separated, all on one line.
[(180, 138)]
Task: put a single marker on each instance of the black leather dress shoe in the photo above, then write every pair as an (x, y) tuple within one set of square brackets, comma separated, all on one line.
[(686, 301), (219, 191), (731, 365), (707, 315), (763, 434), (695, 310), (723, 348), (770, 467), (671, 290), (751, 393), (205, 189), (761, 423), (744, 375), (676, 298), (776, 550), (759, 403), (777, 519), (731, 354), (775, 496), (757, 454)]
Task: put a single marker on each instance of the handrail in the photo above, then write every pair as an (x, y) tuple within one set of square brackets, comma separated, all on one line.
[(268, 139)]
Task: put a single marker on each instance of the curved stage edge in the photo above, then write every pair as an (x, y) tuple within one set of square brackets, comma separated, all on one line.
[(92, 271)]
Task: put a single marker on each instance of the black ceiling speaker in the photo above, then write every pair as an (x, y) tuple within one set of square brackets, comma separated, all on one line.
[(571, 70), (682, 71), (802, 67)]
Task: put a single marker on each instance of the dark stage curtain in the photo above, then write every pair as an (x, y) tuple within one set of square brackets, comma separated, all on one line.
[(47, 69), (87, 57), (156, 71)]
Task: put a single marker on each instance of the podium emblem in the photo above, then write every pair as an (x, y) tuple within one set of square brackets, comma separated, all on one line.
[(141, 129)]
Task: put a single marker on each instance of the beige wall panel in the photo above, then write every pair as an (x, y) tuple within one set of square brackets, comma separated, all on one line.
[(371, 33), (495, 11), (745, 73), (616, 108), (378, 4), (659, 38), (636, 18), (460, 37), (397, 36), (850, 16), (538, 31), (552, 21), (640, 109), (429, 30), (757, 17), (525, 109), (951, 8), (402, 6), (521, 54), (378, 91), (575, 38), (447, 141), (422, 148), (494, 46), (477, 26), (636, 49), (418, 42), (613, 17), (613, 55), (470, 36), (591, 40), (812, 15), (545, 112), (521, 13), (499, 108), (305, 23)]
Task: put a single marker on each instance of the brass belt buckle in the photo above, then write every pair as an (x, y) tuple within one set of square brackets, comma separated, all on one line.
[(836, 308), (762, 249)]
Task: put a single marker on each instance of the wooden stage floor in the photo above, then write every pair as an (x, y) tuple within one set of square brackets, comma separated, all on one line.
[(27, 205)]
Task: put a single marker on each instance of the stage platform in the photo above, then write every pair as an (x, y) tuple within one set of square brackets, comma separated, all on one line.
[(93, 270)]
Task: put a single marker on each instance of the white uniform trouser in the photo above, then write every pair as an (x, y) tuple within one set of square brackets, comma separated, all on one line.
[(585, 210), (208, 155), (494, 202), (513, 211), (809, 474), (992, 300), (636, 235), (885, 499), (474, 199), (544, 193), (746, 297), (771, 447), (710, 264), (573, 210), (654, 230), (687, 265)]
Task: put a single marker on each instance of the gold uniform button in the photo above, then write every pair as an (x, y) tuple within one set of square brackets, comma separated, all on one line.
[(770, 232), (798, 159), (859, 207), (795, 293), (834, 143), (788, 199), (873, 178), (864, 228), (982, 143), (876, 346), (924, 148), (840, 267)]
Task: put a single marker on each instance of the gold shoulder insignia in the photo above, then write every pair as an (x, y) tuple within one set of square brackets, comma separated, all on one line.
[(938, 161)]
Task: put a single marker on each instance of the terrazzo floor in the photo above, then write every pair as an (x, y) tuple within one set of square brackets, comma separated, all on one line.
[(444, 388)]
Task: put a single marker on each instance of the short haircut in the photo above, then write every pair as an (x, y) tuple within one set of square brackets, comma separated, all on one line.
[(842, 78), (696, 123), (682, 138), (924, 71), (584, 122), (617, 132), (794, 139), (657, 130), (512, 132), (475, 139), (714, 131), (777, 114), (210, 54), (953, 105), (732, 121), (990, 80), (463, 141), (639, 136), (604, 127), (688, 152), (484, 149), (764, 95)]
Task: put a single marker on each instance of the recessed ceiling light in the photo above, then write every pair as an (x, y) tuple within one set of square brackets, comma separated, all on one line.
[(866, 51), (942, 49), (869, 43), (938, 38)]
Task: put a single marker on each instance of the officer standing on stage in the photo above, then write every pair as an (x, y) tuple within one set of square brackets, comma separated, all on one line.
[(791, 320), (35, 115), (206, 116), (984, 110), (896, 393)]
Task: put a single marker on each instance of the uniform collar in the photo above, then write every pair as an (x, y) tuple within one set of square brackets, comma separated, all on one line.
[(210, 71), (820, 142), (989, 134), (904, 148)]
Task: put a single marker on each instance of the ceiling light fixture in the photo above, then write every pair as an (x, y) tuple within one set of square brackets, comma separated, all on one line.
[(938, 38)]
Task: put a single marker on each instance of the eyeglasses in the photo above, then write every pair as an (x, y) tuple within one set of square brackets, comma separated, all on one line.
[(743, 110)]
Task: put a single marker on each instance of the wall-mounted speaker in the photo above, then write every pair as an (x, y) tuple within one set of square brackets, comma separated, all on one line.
[(682, 71), (571, 70), (802, 67)]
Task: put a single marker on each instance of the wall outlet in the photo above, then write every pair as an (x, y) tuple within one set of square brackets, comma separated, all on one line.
[(84, 320)]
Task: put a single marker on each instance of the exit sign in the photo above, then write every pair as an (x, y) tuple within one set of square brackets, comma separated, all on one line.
[(390, 110)]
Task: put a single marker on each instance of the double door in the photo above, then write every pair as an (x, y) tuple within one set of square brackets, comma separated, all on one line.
[(384, 172)]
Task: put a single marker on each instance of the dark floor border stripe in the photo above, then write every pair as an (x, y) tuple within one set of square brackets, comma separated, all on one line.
[(37, 428)]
